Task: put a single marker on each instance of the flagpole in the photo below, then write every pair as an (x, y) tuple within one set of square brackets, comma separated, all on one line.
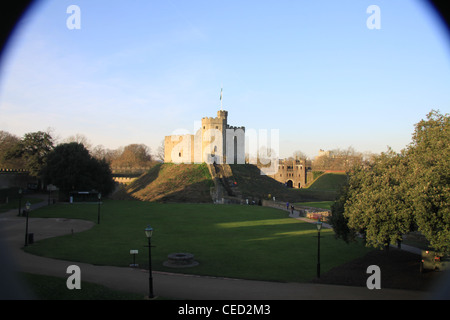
[(221, 109)]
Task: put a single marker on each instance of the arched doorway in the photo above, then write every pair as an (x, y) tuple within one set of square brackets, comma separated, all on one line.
[(289, 184)]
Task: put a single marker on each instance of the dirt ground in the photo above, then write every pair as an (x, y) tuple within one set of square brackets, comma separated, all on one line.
[(399, 270)]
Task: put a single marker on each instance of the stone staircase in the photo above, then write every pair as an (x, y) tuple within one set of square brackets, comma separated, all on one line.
[(225, 189)]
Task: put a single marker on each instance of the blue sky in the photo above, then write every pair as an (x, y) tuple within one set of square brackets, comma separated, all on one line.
[(138, 70)]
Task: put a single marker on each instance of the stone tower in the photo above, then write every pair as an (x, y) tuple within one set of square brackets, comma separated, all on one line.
[(214, 138), (213, 142)]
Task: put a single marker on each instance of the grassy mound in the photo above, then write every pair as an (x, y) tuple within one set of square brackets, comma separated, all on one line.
[(254, 185), (329, 182), (168, 182)]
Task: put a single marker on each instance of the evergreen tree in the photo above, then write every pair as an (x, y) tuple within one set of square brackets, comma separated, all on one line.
[(71, 168), (403, 192), (429, 178)]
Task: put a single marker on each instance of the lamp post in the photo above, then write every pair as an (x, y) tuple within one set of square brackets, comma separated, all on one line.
[(319, 226), (20, 200), (148, 234), (99, 196), (27, 206)]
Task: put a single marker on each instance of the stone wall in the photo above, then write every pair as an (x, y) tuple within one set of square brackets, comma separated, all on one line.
[(220, 193), (124, 180)]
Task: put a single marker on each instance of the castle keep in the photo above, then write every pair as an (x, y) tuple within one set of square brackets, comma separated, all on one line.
[(215, 142)]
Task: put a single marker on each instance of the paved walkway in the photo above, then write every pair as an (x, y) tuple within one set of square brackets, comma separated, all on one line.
[(175, 286)]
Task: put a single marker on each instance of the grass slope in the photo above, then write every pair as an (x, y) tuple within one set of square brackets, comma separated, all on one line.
[(168, 182), (329, 182), (254, 185)]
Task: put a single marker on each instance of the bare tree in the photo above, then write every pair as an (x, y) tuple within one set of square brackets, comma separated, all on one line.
[(8, 142), (299, 155), (133, 156), (98, 152), (160, 152), (338, 159), (79, 138)]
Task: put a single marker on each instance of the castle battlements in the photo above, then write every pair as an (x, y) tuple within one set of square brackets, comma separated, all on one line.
[(210, 119), (235, 128), (205, 145), (221, 114)]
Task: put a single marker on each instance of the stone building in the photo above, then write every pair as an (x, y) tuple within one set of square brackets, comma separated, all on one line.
[(215, 142), (293, 173)]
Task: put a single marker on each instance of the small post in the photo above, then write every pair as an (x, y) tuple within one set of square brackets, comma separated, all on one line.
[(20, 201), (28, 205), (99, 196), (134, 253), (149, 233), (319, 226)]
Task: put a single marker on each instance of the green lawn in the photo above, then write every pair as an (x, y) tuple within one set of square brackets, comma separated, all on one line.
[(14, 203), (329, 182), (236, 241), (320, 204)]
